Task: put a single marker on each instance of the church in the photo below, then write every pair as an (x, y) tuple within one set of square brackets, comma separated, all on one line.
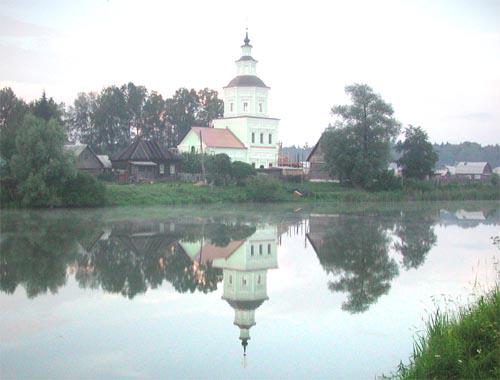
[(246, 133)]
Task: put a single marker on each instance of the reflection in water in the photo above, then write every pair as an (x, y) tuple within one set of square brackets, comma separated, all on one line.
[(245, 276), (362, 254)]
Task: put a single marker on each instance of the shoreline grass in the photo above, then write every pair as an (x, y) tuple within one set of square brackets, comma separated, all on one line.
[(179, 193), (458, 345)]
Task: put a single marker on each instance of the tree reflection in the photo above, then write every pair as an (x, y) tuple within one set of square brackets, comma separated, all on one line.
[(36, 252), (121, 257), (417, 237), (355, 251)]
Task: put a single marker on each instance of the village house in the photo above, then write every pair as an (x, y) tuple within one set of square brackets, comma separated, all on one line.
[(246, 133), (144, 160), (473, 170), (86, 160)]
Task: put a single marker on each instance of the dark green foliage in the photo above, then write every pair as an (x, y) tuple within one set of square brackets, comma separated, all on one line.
[(385, 181), (495, 179), (190, 163), (188, 108), (240, 171), (47, 109), (39, 166), (12, 112), (450, 154), (462, 345), (83, 190), (357, 147), (264, 189), (418, 156), (218, 169), (41, 174)]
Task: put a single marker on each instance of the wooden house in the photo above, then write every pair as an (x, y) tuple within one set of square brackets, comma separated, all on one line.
[(85, 158), (318, 171), (145, 160)]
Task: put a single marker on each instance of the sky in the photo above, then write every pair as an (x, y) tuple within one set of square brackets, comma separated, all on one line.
[(436, 62)]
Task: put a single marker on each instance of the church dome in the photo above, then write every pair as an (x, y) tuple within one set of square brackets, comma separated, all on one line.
[(245, 305), (246, 81)]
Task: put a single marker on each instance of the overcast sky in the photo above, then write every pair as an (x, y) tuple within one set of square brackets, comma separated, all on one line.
[(436, 62)]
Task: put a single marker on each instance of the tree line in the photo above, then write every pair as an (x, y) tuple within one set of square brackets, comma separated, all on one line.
[(108, 120)]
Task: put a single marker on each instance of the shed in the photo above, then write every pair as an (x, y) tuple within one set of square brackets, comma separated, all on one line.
[(473, 170), (318, 171), (85, 158)]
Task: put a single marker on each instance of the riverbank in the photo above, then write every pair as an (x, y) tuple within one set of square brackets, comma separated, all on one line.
[(179, 193), (461, 345)]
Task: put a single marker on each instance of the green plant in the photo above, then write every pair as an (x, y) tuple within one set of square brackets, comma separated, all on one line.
[(264, 189), (240, 171)]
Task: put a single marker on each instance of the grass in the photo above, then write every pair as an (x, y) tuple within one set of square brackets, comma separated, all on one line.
[(460, 345), (178, 193)]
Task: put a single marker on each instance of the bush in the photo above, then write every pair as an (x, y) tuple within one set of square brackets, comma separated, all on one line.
[(385, 181), (219, 169), (240, 171), (419, 185), (83, 190), (495, 179), (264, 189)]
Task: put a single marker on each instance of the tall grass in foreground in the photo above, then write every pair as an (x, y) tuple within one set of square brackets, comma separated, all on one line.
[(461, 345)]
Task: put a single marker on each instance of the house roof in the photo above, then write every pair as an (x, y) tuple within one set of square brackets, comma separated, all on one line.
[(218, 138), (470, 167), (104, 160), (313, 150), (76, 149), (246, 81), (143, 150), (210, 252)]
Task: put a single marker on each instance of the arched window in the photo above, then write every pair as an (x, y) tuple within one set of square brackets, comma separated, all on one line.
[(251, 250), (193, 150), (262, 138), (231, 107), (270, 138), (260, 249), (253, 137), (269, 249), (261, 166)]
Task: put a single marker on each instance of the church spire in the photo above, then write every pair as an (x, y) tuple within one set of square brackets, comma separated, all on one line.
[(246, 40)]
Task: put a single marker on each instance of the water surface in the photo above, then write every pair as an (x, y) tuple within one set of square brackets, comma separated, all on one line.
[(253, 292)]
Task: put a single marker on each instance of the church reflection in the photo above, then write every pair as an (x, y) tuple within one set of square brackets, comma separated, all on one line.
[(245, 276)]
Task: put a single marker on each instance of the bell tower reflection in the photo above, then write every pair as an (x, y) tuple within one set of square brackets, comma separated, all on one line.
[(245, 277)]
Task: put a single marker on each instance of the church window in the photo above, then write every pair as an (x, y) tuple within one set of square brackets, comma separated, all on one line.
[(253, 137), (231, 107), (251, 250), (269, 249), (270, 138), (260, 249), (245, 106), (258, 280), (260, 107), (270, 165), (244, 280), (193, 149), (261, 166), (262, 138), (230, 279)]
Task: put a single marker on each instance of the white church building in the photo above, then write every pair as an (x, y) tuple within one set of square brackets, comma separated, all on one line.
[(246, 133)]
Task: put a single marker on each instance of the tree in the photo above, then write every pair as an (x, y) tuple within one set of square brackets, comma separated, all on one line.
[(418, 156), (210, 107), (357, 146), (12, 112), (135, 97), (81, 119), (47, 109), (182, 110), (112, 121), (39, 166), (156, 126)]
